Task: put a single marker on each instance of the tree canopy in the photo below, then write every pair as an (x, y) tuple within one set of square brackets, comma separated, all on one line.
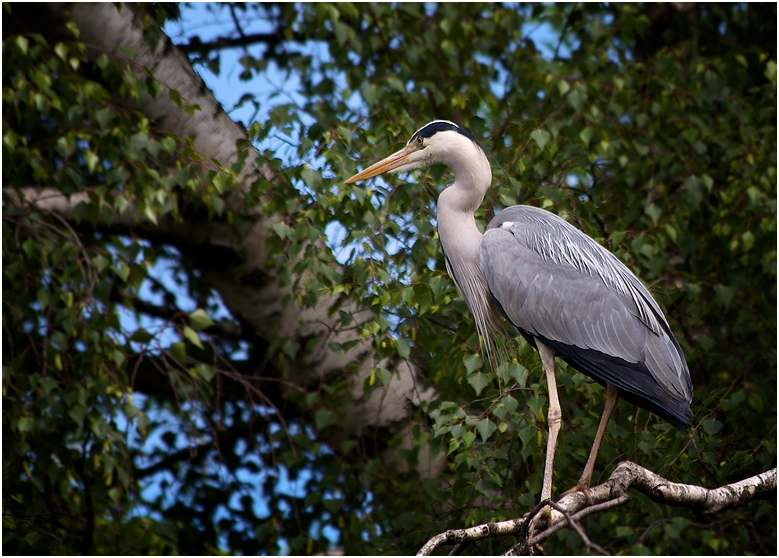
[(211, 344)]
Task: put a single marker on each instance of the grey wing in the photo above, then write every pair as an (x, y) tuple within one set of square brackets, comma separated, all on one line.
[(556, 283)]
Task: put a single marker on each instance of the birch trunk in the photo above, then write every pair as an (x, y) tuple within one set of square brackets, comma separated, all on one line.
[(243, 256)]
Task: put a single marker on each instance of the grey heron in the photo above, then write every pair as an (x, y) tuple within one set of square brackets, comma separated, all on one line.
[(566, 294)]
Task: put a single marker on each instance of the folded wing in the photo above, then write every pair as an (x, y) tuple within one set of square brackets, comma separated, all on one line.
[(556, 284)]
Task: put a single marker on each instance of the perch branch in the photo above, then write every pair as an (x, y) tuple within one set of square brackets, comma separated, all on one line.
[(612, 493)]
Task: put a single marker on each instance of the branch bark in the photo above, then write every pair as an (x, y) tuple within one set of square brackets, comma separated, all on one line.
[(610, 494), (270, 40)]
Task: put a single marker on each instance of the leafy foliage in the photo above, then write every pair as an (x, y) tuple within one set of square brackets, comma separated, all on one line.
[(651, 129), (68, 413)]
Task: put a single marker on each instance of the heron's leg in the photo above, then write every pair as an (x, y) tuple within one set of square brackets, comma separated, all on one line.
[(554, 417), (612, 394)]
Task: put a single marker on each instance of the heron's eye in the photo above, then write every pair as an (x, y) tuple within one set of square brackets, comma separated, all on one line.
[(420, 141)]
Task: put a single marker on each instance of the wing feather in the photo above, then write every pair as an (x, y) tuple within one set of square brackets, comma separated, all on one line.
[(554, 282)]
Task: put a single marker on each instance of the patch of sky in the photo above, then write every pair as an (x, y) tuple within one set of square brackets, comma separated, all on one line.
[(336, 234), (164, 489), (209, 23), (253, 94), (547, 40)]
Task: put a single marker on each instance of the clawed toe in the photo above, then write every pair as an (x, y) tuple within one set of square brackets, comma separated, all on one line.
[(582, 487)]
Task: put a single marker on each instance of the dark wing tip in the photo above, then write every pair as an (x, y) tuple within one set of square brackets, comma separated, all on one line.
[(634, 381)]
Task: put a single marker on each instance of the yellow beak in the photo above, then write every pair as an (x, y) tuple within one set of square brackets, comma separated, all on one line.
[(391, 163)]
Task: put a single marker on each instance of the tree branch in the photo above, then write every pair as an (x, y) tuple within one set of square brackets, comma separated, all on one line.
[(610, 494), (224, 329), (270, 40)]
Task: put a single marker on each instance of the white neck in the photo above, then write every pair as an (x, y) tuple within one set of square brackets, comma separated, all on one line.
[(472, 173), (457, 229), (457, 203)]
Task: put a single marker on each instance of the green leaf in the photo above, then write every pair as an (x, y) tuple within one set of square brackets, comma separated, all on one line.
[(393, 82), (647, 445), (694, 191), (711, 426), (205, 371), (586, 135), (458, 430), (675, 529), (654, 212), (324, 418), (128, 51), (770, 72), (199, 319), (62, 50), (404, 350), (527, 434), (748, 240), (219, 181), (472, 363), (121, 204), (142, 336), (617, 237), (24, 424), (122, 270), (519, 373), (485, 487), (32, 539), (341, 32), (91, 160), (22, 43), (478, 382), (291, 348), (179, 351), (48, 384), (576, 97), (755, 401), (59, 341), (640, 550), (725, 295), (282, 230), (486, 428), (150, 214), (78, 413), (384, 376), (174, 96), (541, 137), (371, 94), (192, 336), (9, 140), (535, 404), (312, 178), (507, 406), (118, 357)]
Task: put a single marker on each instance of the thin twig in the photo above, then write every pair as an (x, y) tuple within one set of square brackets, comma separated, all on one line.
[(573, 523)]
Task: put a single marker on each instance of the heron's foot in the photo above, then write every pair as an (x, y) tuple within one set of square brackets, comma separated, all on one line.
[(582, 486), (544, 515)]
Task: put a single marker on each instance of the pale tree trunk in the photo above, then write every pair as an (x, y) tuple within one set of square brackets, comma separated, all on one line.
[(256, 303)]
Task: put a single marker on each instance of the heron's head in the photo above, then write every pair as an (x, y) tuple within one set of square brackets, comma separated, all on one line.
[(440, 141)]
